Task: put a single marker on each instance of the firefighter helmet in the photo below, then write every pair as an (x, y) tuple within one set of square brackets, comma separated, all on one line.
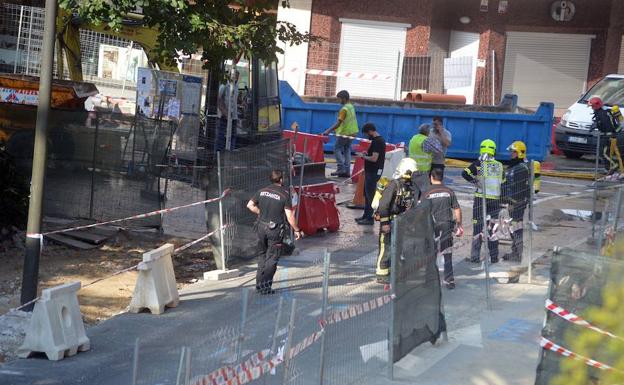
[(595, 102), (405, 168), (488, 147), (519, 147)]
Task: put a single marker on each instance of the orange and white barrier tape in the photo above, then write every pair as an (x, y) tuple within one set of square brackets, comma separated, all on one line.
[(549, 345), (575, 319), (139, 216), (340, 74)]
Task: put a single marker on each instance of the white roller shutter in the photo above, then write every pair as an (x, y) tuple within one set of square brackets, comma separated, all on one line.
[(370, 47), (546, 67), (621, 65)]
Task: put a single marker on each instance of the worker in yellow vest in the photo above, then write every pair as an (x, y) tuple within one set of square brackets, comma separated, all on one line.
[(346, 129), (488, 168), (421, 149)]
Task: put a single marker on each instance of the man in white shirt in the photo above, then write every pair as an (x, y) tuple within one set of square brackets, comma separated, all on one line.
[(227, 102)]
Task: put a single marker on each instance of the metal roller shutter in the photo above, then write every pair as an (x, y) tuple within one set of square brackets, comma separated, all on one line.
[(546, 67), (621, 65), (370, 47)]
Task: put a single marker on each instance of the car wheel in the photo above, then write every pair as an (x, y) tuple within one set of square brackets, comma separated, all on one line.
[(572, 154)]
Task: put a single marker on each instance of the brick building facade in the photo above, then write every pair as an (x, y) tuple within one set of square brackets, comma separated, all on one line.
[(430, 23)]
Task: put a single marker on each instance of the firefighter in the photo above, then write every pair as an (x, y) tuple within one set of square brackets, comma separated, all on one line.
[(397, 197), (273, 206), (492, 170), (603, 122), (516, 194)]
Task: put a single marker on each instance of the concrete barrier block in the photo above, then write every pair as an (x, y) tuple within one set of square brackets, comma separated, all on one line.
[(221, 275), (156, 286), (56, 326)]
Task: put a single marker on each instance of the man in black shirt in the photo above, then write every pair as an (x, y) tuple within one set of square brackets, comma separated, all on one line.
[(447, 215), (374, 160), (273, 206)]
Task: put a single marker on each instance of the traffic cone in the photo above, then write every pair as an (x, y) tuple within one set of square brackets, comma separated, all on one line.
[(358, 200)]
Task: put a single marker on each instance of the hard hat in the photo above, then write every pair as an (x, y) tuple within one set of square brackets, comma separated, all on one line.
[(519, 147), (344, 94), (488, 147), (595, 103), (405, 168)]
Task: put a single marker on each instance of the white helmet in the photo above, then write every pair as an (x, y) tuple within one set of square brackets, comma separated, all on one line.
[(405, 168)]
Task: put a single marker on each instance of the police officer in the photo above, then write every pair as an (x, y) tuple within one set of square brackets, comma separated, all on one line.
[(492, 169), (516, 194), (397, 197), (273, 206)]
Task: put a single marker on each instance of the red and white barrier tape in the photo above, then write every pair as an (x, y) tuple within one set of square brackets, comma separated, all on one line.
[(549, 345), (139, 216), (575, 319), (227, 373), (340, 74), (357, 310)]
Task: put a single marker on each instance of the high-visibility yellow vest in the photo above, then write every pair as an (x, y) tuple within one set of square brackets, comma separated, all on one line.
[(493, 172), (349, 126), (423, 159)]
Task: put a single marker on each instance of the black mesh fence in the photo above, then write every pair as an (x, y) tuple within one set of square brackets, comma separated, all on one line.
[(417, 313), (586, 286), (100, 166)]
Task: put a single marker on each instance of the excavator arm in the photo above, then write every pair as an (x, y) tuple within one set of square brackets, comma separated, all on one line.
[(68, 39)]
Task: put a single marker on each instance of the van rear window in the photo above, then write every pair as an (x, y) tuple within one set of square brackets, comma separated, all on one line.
[(610, 90)]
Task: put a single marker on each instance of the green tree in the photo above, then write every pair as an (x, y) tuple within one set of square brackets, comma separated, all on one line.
[(594, 345), (220, 29)]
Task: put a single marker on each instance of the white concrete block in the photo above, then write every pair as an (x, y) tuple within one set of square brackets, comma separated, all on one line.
[(221, 275), (156, 286), (56, 327)]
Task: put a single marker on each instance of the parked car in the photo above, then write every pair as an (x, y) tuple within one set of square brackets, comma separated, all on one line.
[(572, 134)]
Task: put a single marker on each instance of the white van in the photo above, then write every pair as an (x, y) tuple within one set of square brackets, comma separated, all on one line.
[(572, 134)]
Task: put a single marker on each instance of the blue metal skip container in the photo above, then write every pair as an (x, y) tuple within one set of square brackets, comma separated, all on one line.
[(399, 123)]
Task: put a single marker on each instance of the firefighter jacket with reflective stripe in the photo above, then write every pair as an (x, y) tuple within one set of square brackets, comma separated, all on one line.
[(397, 197), (493, 171), (516, 185)]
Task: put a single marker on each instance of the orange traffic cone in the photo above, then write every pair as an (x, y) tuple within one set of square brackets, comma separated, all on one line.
[(358, 200)]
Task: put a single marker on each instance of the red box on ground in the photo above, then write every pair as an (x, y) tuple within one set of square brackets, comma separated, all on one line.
[(318, 210)]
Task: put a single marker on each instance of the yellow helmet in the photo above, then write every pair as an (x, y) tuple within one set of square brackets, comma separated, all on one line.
[(519, 147), (488, 147)]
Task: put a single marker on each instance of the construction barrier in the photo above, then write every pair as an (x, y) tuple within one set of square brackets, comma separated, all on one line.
[(56, 327), (317, 208), (314, 147), (362, 146)]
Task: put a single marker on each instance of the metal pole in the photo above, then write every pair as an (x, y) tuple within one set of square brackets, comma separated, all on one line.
[(326, 262), (486, 238), (180, 366), (530, 239), (595, 195), (187, 378), (93, 164), (19, 36), (601, 232), (493, 77), (291, 329), (34, 239), (28, 47), (394, 279), (228, 135), (301, 170), (397, 85), (617, 211), (241, 335), (221, 229), (135, 364)]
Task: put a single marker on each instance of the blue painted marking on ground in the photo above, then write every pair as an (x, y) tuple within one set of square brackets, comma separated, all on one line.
[(517, 330)]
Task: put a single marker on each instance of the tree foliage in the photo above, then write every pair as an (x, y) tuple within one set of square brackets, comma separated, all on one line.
[(220, 29)]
